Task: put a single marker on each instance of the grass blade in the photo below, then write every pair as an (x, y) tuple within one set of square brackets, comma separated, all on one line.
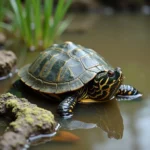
[(28, 10), (36, 6), (21, 20), (61, 10), (63, 26), (48, 8), (57, 17), (1, 9), (46, 25), (16, 11)]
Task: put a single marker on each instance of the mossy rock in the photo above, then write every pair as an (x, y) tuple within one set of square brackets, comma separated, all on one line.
[(30, 120), (7, 63)]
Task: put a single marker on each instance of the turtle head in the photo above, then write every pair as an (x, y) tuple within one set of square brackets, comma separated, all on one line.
[(106, 84)]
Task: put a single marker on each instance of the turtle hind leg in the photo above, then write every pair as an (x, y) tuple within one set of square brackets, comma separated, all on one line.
[(65, 108), (127, 92)]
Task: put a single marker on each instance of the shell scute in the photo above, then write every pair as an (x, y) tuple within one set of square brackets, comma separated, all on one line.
[(49, 88), (54, 71), (63, 87), (78, 53), (65, 75), (62, 68), (89, 62), (76, 84), (87, 76), (76, 68)]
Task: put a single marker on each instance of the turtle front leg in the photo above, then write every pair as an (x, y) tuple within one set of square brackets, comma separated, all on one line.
[(65, 108), (127, 92)]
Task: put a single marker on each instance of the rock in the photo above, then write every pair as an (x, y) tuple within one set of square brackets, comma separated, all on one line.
[(7, 62), (28, 121), (10, 140)]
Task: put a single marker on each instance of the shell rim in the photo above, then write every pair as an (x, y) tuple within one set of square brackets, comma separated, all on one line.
[(25, 70)]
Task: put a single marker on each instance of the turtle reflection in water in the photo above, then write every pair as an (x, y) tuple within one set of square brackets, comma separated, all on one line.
[(70, 73), (107, 116)]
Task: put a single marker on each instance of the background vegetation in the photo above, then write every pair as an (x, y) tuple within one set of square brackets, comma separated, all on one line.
[(37, 23)]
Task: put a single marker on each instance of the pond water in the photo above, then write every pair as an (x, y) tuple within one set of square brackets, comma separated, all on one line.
[(124, 41)]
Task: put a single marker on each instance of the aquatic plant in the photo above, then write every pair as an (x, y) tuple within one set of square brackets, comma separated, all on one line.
[(2, 10), (39, 24)]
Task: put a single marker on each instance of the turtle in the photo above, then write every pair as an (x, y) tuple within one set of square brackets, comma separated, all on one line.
[(70, 73)]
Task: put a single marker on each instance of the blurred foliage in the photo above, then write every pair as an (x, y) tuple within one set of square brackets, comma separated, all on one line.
[(123, 4), (1, 10), (38, 22)]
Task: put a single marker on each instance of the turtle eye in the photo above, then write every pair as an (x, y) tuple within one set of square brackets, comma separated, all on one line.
[(111, 73)]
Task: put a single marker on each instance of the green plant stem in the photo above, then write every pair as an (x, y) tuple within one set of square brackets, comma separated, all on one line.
[(60, 12), (36, 23), (37, 20), (48, 8), (21, 20)]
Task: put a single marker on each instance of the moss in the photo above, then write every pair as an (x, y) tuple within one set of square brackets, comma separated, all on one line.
[(6, 95), (30, 120), (24, 100), (15, 125), (35, 112), (27, 111), (9, 94), (14, 109), (39, 117), (41, 114), (46, 117), (12, 103), (40, 125), (19, 114)]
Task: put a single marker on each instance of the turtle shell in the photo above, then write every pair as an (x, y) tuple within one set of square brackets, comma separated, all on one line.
[(62, 68)]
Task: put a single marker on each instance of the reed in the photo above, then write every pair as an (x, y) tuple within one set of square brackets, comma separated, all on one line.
[(2, 11), (39, 25)]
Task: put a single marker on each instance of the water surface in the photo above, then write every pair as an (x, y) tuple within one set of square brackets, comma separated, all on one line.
[(124, 41)]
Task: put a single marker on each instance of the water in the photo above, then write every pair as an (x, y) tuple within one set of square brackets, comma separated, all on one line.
[(124, 41)]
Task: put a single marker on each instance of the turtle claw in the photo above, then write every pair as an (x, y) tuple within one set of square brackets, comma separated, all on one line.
[(127, 92), (131, 97)]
